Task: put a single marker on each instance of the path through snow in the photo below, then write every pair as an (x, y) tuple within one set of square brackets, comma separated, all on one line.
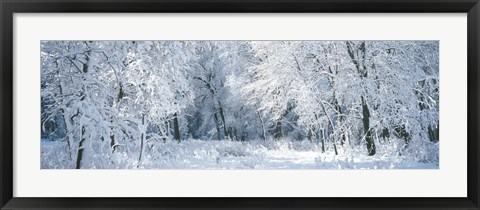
[(197, 154)]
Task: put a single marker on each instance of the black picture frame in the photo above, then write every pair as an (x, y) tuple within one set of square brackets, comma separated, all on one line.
[(9, 7)]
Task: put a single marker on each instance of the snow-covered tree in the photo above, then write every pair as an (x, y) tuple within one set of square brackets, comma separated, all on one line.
[(109, 100)]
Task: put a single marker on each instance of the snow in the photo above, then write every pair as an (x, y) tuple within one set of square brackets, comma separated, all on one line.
[(226, 154), (327, 104)]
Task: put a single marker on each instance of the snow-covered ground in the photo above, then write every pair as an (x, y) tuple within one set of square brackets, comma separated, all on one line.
[(197, 154)]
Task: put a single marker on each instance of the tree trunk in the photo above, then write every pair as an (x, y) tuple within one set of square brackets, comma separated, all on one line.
[(176, 127), (402, 133), (323, 139), (357, 53), (311, 134), (339, 118), (69, 129), (264, 137), (433, 133), (278, 129), (217, 125), (366, 128), (142, 143), (335, 147), (222, 117), (112, 142), (80, 150)]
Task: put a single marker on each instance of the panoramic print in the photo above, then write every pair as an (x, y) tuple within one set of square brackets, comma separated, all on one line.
[(239, 105)]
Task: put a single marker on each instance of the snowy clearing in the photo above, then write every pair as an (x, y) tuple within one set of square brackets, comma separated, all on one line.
[(226, 154)]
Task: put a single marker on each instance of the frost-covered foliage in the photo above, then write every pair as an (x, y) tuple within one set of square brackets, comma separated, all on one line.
[(140, 104)]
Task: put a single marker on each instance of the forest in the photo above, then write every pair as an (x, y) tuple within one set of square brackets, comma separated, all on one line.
[(239, 104)]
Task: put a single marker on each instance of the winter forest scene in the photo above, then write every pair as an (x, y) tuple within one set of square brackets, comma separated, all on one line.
[(239, 105)]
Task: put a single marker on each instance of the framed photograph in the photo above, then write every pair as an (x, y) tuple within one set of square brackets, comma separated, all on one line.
[(239, 105)]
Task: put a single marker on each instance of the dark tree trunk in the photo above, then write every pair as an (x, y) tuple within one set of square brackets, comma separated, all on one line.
[(222, 117), (278, 130), (217, 125), (402, 133), (323, 140), (357, 52), (278, 125), (112, 143), (385, 134), (311, 134), (366, 128), (120, 93), (335, 148), (80, 150), (69, 144), (176, 127), (264, 135), (433, 133), (142, 136), (80, 144), (339, 118)]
